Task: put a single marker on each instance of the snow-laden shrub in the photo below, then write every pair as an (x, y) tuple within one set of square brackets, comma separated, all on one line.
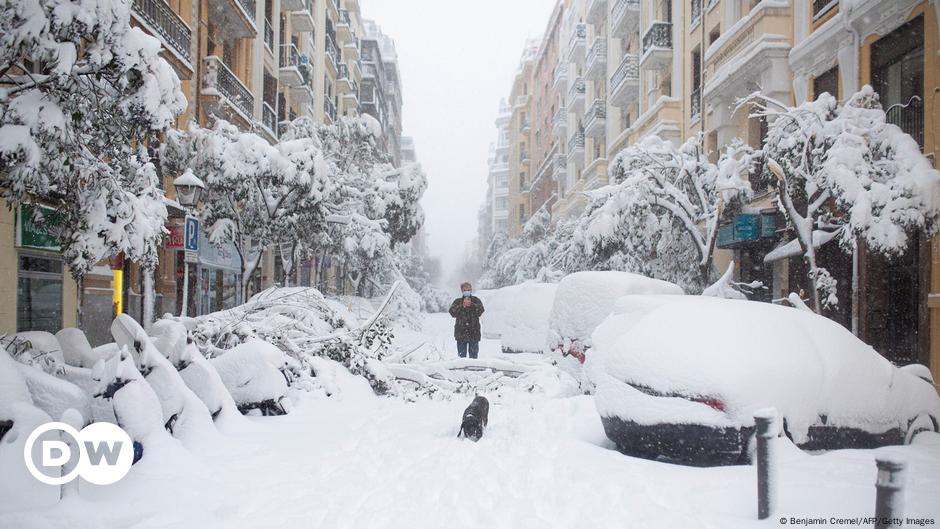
[(302, 323)]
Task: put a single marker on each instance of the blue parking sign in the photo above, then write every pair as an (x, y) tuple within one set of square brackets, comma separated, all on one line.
[(191, 237)]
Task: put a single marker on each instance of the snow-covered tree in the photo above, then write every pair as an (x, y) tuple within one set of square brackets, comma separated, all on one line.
[(378, 203), (83, 93), (846, 172), (659, 216), (258, 195)]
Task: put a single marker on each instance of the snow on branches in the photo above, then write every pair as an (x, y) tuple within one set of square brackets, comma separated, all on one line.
[(846, 170), (83, 94)]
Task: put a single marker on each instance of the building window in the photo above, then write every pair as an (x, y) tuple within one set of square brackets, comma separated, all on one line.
[(695, 103), (521, 213), (821, 7), (897, 74), (501, 203), (827, 82), (502, 181), (39, 293), (714, 35)]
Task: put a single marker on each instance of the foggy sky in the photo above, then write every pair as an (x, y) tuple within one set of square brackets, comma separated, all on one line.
[(457, 59)]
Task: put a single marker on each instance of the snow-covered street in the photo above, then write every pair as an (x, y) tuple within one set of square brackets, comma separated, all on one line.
[(356, 460)]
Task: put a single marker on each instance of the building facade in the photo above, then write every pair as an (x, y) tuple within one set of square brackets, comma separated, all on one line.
[(627, 69), (255, 63)]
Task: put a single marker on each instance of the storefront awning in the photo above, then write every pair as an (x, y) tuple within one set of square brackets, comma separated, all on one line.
[(793, 249)]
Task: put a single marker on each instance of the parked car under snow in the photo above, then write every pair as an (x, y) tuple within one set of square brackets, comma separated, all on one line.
[(581, 303), (517, 315), (690, 396)]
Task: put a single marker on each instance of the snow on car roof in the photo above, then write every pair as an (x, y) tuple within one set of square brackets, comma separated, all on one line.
[(584, 299)]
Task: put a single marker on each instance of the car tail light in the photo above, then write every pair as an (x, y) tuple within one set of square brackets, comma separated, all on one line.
[(715, 404)]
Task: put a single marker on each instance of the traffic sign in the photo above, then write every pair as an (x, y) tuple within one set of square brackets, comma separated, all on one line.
[(192, 234)]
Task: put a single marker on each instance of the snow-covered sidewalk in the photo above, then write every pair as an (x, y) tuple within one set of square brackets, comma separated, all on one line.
[(358, 461)]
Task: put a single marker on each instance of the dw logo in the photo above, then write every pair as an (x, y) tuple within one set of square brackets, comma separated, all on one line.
[(102, 453)]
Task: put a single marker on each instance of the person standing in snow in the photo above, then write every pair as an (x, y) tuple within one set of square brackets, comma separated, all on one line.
[(467, 310)]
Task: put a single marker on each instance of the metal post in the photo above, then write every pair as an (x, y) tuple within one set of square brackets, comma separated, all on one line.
[(185, 287), (889, 502), (765, 422), (74, 419)]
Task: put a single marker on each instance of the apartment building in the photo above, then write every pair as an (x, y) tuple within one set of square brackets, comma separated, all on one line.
[(255, 63), (627, 69), (381, 86), (521, 136)]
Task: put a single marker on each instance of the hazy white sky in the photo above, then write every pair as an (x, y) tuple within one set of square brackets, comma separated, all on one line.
[(457, 59)]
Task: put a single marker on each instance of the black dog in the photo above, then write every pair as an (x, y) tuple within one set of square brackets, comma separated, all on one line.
[(474, 419)]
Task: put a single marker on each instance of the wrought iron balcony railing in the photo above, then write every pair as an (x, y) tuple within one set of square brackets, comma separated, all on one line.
[(576, 142), (621, 6), (290, 57), (629, 70), (598, 51), (268, 34), (219, 78), (909, 117), (269, 119), (659, 35), (249, 7), (167, 24), (598, 110)]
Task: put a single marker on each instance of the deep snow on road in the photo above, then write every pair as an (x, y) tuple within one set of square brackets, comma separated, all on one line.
[(358, 461)]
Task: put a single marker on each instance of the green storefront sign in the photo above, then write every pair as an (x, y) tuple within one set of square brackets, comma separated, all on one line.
[(29, 234)]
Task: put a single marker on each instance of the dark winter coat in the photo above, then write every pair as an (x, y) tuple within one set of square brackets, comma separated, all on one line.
[(467, 326)]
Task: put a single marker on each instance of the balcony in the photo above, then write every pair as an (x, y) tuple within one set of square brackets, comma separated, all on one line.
[(624, 18), (560, 123), (576, 96), (225, 91), (302, 94), (748, 46), (235, 17), (560, 165), (597, 59), (269, 35), (351, 49), (343, 25), (576, 148), (302, 19), (352, 96), (595, 120), (576, 43), (343, 81), (175, 36), (524, 126), (909, 117), (292, 5), (332, 54), (560, 78), (329, 108), (695, 104), (596, 11), (657, 46), (625, 83), (289, 71), (269, 120)]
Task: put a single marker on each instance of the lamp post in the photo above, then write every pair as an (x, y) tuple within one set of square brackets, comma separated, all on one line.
[(189, 189)]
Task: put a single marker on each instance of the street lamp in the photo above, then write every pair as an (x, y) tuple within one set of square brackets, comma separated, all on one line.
[(189, 189)]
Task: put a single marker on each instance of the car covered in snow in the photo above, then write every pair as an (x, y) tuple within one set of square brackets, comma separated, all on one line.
[(581, 303), (517, 315), (690, 396)]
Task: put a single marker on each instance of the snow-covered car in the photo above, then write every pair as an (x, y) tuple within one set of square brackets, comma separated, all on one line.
[(582, 301), (689, 396), (518, 315)]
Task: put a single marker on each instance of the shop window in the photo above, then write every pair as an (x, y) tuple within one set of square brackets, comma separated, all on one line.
[(39, 293)]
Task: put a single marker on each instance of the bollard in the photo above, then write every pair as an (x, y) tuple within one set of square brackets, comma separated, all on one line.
[(889, 502), (766, 432), (73, 418)]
